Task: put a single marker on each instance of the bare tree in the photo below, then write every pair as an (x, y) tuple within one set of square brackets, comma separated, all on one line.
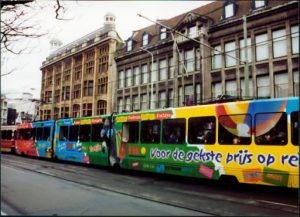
[(16, 25)]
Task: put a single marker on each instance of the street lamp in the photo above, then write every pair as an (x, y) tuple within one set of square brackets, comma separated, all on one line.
[(151, 100)]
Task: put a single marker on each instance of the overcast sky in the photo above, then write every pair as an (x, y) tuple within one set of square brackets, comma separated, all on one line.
[(82, 17)]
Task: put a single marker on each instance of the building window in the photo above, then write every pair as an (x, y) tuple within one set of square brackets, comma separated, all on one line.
[(87, 109), (56, 113), (102, 88), (121, 79), (136, 76), (188, 95), (171, 98), (144, 102), (120, 105), (279, 43), (296, 83), (129, 45), (243, 94), (197, 59), (163, 33), (162, 99), (295, 39), (77, 91), (263, 86), (216, 89), (90, 67), (198, 93), (145, 39), (76, 110), (64, 113), (67, 74), (262, 51), (171, 68), (193, 31), (163, 69), (57, 96), (230, 88), (281, 85), (242, 50), (153, 72), (128, 82), (135, 103), (259, 3), (65, 93), (154, 102), (88, 88), (144, 74), (230, 50), (189, 61), (78, 72), (48, 96), (103, 58), (127, 104), (101, 107), (180, 97), (216, 57), (229, 10), (57, 79)]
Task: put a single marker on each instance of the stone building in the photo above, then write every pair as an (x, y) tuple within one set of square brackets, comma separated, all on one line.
[(78, 78), (187, 72)]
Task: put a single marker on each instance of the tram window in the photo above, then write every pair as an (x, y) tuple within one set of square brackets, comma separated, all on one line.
[(21, 134), (29, 134), (15, 134), (150, 132), (96, 129), (294, 127), (85, 133), (73, 133), (271, 128), (63, 133), (39, 133), (3, 134), (130, 132), (235, 129), (174, 131), (46, 134), (202, 130), (9, 134)]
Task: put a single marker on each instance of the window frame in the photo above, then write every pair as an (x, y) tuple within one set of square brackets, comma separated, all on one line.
[(287, 137), (292, 129), (142, 136), (220, 125), (202, 117)]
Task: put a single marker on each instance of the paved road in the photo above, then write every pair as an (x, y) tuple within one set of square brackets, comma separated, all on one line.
[(30, 193), (46, 188)]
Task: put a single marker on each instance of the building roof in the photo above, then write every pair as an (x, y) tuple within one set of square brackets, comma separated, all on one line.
[(213, 10)]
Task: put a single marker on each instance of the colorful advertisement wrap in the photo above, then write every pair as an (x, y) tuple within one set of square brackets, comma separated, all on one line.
[(251, 140)]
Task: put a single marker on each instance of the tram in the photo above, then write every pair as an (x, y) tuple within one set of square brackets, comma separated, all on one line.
[(8, 135), (254, 141)]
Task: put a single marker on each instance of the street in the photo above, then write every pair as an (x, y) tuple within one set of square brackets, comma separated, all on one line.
[(40, 187)]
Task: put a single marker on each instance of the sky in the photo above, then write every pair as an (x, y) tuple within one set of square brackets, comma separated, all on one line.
[(80, 18)]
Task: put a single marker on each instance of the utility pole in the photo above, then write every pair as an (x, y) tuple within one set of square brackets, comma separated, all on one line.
[(152, 59), (246, 67)]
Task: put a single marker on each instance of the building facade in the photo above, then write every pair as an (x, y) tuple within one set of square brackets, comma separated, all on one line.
[(78, 78), (4, 110), (187, 72)]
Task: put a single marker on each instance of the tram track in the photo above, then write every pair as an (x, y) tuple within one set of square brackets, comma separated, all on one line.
[(210, 204)]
